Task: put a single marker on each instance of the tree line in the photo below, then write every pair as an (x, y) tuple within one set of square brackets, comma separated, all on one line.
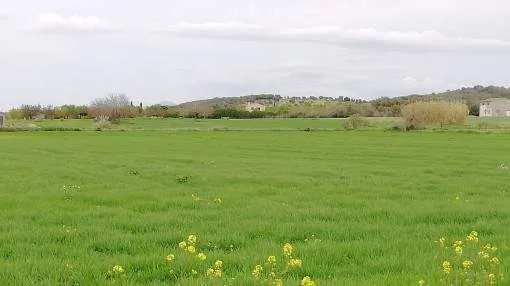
[(116, 106)]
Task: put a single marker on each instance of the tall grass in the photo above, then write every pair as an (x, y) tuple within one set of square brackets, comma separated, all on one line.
[(422, 114)]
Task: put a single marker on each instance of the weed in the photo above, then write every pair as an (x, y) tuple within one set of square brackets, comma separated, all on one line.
[(468, 262), (70, 190), (183, 179)]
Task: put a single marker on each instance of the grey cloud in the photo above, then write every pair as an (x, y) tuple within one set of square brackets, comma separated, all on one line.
[(238, 47), (426, 41)]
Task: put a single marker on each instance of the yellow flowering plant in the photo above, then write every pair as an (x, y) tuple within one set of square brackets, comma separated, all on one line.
[(468, 262), (117, 274), (190, 260), (273, 270)]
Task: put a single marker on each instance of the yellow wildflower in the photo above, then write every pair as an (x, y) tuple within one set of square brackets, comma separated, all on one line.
[(117, 269), (170, 257), (495, 260), (472, 237), (458, 243), (191, 249), (447, 267), (257, 271), (421, 282), (271, 260), (484, 254), (217, 273), (287, 249), (201, 256), (192, 239), (492, 279), (490, 248), (295, 263), (278, 282), (467, 264), (307, 281), (442, 241), (458, 250), (218, 264), (209, 272), (182, 245)]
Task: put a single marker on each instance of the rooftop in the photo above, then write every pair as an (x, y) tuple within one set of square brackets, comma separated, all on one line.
[(495, 99)]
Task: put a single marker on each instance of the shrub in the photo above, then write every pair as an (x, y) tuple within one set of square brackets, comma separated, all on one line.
[(236, 114), (421, 114), (101, 123), (355, 121), (162, 111)]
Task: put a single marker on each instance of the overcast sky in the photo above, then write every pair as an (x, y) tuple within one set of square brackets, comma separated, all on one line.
[(72, 51)]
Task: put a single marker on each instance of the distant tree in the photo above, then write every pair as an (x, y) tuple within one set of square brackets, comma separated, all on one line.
[(113, 106), (49, 112), (71, 111), (161, 111), (30, 111), (474, 108), (196, 110), (15, 113)]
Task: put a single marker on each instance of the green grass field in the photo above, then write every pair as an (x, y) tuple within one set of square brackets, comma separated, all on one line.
[(360, 207)]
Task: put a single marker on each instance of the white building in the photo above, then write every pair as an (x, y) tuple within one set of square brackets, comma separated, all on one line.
[(495, 107), (253, 106)]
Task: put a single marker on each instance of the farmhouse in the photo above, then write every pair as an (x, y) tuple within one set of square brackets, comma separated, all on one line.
[(253, 106), (2, 119), (495, 107)]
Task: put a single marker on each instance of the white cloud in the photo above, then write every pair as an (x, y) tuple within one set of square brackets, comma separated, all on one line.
[(231, 30), (354, 38), (419, 82), (409, 80), (55, 23)]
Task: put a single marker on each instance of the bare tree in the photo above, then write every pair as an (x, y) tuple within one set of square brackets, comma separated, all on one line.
[(113, 107)]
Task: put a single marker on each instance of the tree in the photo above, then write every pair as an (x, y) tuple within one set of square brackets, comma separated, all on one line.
[(30, 111), (114, 107)]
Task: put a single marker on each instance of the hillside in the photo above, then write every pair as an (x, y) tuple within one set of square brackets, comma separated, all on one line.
[(384, 106), (471, 94), (466, 94)]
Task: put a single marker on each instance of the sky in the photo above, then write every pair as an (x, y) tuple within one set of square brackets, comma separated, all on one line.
[(73, 51)]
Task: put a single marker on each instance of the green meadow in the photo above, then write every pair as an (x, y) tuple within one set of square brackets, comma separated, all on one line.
[(360, 207)]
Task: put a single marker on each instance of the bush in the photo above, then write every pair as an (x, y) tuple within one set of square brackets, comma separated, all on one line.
[(236, 114), (101, 123), (418, 115), (162, 111), (355, 121)]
